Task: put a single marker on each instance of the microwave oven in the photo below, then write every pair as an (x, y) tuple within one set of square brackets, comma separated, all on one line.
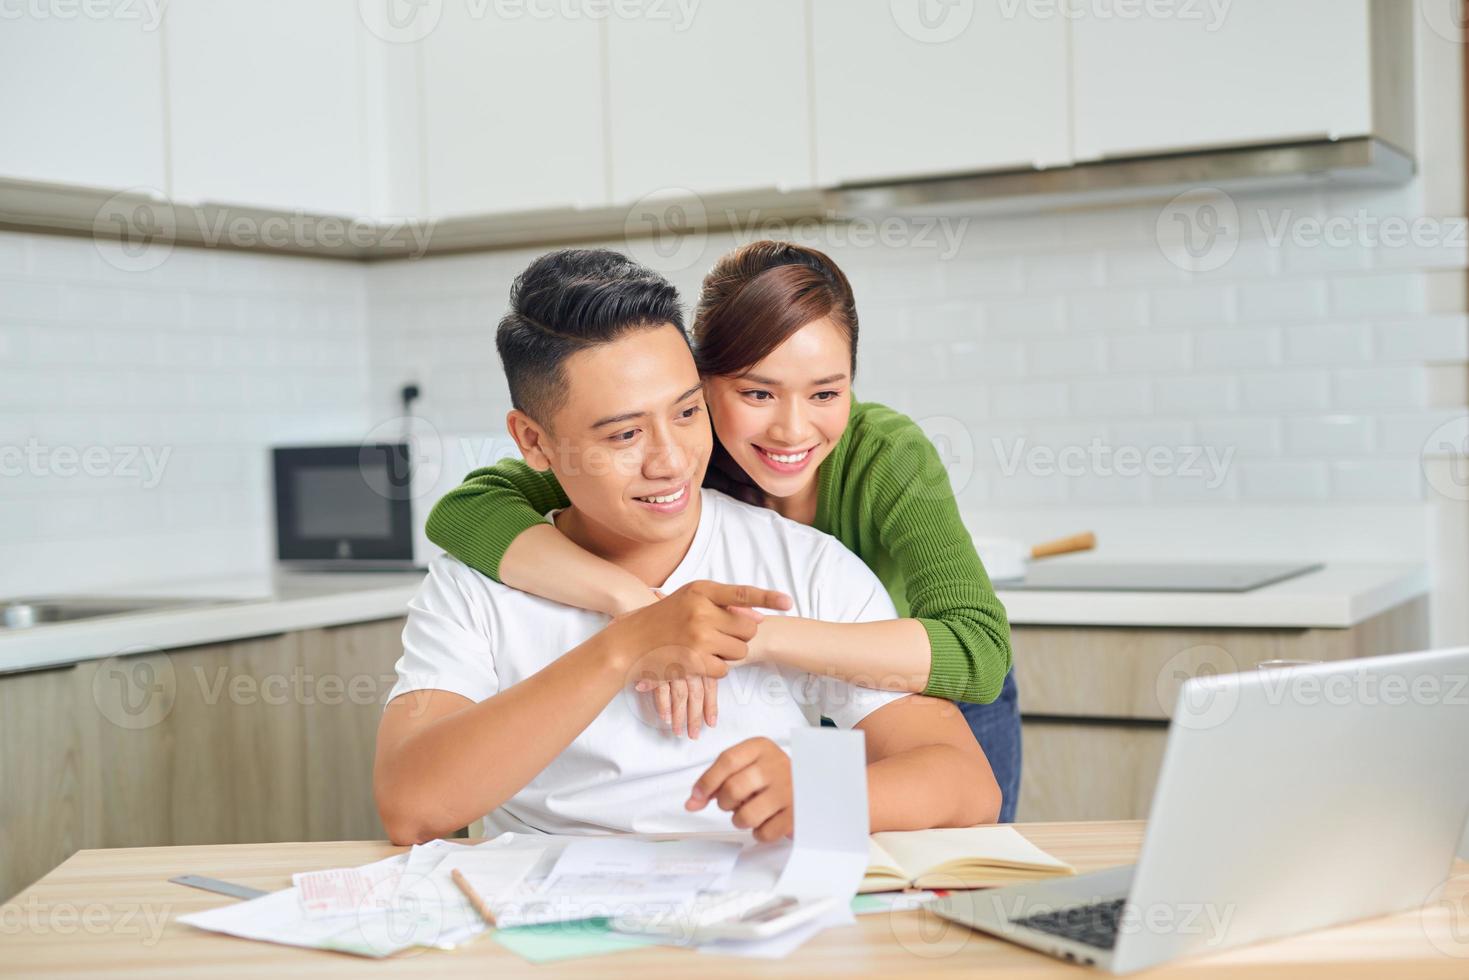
[(362, 506)]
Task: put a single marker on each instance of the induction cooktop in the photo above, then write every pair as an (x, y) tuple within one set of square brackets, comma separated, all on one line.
[(1089, 576)]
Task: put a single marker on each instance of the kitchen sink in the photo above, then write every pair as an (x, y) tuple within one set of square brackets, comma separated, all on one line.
[(22, 613)]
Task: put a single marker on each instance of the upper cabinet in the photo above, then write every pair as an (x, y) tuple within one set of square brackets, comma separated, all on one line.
[(266, 104), (84, 100), (909, 88), (1247, 72), (709, 97), (531, 113), (512, 106)]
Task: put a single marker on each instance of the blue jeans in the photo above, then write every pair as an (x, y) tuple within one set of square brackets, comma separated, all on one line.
[(997, 728)]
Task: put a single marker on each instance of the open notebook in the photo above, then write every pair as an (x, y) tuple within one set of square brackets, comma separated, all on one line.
[(965, 857)]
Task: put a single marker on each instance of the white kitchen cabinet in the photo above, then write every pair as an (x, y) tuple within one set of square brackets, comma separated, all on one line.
[(917, 87), (513, 110), (1260, 71), (718, 101), (83, 99), (265, 104)]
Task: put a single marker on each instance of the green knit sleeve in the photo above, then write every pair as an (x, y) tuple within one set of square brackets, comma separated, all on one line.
[(948, 590), (476, 521)]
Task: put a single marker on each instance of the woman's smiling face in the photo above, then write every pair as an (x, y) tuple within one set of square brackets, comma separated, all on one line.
[(783, 416)]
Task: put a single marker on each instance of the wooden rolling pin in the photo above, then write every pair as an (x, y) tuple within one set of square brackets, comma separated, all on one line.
[(1085, 541)]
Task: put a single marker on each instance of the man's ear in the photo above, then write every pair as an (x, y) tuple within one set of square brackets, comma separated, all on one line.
[(532, 439)]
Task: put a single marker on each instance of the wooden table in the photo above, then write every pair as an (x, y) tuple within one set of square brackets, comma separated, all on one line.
[(112, 912)]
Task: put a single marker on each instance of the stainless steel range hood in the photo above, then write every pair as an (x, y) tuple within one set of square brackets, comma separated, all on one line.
[(1362, 161)]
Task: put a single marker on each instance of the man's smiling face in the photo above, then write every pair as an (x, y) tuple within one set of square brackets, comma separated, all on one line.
[(631, 439)]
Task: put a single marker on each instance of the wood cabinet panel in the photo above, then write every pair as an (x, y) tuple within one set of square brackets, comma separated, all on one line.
[(1089, 771), (1123, 672), (265, 739)]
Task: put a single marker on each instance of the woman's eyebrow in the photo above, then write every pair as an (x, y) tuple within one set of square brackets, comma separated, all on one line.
[(829, 379)]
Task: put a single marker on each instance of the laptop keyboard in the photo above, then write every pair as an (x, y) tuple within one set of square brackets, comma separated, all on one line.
[(1094, 925)]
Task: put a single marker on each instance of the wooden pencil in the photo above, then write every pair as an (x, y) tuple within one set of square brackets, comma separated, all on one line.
[(474, 897)]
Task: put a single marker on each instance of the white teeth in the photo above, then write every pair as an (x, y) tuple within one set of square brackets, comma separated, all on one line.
[(787, 457), (667, 498)]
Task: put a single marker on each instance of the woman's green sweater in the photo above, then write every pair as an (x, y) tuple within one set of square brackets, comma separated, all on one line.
[(882, 492)]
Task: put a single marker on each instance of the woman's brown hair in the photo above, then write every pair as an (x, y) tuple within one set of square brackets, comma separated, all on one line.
[(757, 296), (751, 302)]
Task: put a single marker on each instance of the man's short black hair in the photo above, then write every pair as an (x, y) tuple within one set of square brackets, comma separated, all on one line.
[(568, 301)]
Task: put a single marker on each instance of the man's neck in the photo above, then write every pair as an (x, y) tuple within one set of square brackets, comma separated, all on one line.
[(651, 563)]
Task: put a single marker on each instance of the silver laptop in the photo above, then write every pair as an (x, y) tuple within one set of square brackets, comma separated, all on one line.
[(1289, 800)]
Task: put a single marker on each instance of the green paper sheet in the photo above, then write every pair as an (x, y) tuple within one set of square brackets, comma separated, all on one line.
[(567, 940)]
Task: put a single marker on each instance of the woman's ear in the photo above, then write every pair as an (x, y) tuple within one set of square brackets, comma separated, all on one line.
[(534, 442)]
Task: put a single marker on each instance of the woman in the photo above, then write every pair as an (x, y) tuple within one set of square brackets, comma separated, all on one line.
[(775, 338)]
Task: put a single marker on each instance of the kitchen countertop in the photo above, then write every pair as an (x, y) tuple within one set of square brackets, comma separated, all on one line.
[(1337, 596)]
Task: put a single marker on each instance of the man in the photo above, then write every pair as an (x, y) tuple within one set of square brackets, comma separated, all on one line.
[(524, 709)]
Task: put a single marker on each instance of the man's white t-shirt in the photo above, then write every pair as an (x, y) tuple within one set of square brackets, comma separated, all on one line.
[(474, 637)]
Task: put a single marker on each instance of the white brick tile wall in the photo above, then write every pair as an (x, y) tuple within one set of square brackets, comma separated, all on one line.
[(1285, 391), (1328, 343), (1304, 364), (1328, 435), (1288, 299), (117, 363), (1193, 395), (1283, 479), (1160, 352), (1428, 339), (1237, 347), (1388, 479)]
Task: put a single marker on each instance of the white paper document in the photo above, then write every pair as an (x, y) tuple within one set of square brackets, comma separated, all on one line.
[(829, 856), (608, 876)]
